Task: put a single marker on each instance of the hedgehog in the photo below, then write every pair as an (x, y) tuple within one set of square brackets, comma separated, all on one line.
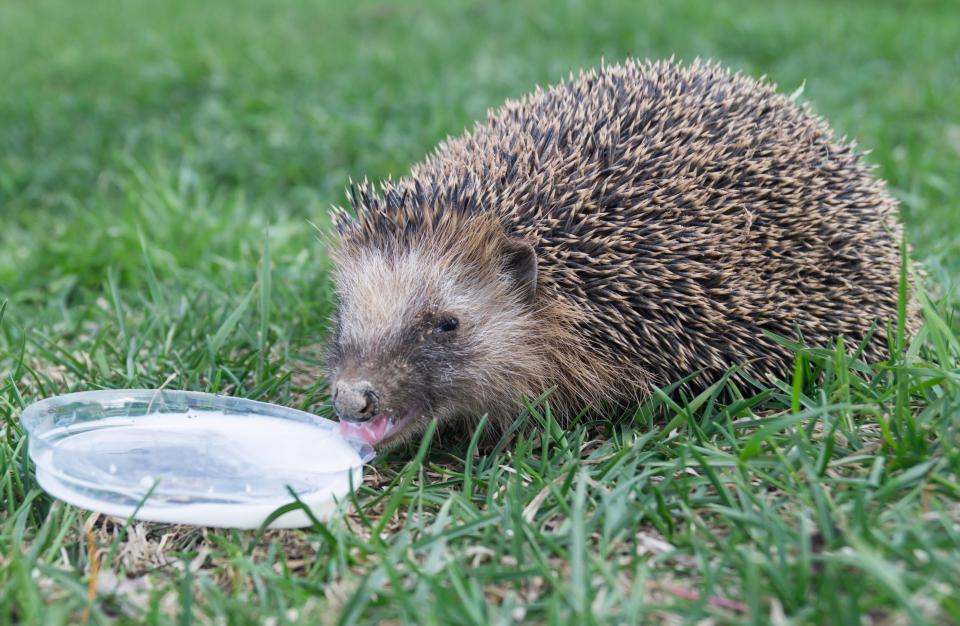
[(637, 224)]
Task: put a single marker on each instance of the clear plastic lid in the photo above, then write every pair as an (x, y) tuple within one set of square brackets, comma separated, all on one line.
[(191, 458)]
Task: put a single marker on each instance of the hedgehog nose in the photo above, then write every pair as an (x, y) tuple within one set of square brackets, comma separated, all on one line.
[(355, 401)]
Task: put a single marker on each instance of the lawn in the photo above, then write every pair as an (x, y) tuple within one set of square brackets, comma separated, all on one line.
[(163, 167)]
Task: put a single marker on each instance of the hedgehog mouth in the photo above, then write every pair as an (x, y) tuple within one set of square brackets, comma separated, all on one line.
[(378, 428)]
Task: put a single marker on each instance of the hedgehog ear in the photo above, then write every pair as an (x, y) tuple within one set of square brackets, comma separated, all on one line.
[(520, 265)]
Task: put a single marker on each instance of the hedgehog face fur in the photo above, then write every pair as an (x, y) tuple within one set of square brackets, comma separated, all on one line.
[(631, 226), (425, 332)]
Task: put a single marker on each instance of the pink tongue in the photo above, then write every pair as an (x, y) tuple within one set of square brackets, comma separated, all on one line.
[(369, 432)]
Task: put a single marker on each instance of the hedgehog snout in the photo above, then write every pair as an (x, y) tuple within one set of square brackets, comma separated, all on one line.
[(356, 401)]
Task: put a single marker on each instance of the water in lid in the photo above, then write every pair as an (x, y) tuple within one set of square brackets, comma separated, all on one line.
[(192, 458)]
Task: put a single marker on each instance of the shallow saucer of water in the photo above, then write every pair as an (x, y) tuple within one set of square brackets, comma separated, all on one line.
[(190, 458)]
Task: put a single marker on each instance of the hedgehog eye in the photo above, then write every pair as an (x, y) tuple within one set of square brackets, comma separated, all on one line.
[(448, 325)]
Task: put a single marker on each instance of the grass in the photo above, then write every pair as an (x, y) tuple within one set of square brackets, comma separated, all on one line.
[(160, 167)]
